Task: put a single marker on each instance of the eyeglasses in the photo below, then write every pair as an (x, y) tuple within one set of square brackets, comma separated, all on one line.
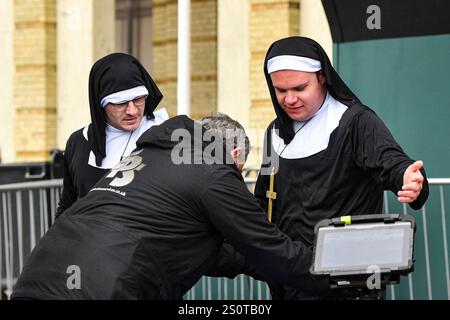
[(138, 102)]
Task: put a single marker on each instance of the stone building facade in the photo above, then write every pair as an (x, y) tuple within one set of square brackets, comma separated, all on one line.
[(49, 46)]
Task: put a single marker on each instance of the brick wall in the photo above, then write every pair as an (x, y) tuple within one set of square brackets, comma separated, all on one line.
[(203, 54), (35, 65), (164, 64), (270, 20), (34, 79)]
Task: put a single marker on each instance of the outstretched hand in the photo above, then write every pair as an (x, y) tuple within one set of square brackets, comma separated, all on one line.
[(412, 183)]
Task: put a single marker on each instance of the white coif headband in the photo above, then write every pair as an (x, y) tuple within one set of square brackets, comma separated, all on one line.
[(124, 96), (293, 63)]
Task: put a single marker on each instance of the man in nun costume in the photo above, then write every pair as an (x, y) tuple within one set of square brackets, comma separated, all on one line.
[(122, 99), (327, 154)]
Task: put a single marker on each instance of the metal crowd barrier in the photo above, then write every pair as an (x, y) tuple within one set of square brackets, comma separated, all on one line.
[(242, 287), (431, 277), (28, 209)]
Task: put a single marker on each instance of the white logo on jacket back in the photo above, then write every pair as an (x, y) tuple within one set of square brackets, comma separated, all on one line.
[(126, 167)]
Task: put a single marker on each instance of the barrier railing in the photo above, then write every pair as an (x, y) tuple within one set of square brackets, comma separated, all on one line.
[(28, 209), (430, 279)]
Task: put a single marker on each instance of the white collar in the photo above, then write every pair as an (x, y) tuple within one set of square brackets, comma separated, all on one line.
[(120, 143), (298, 124), (315, 135)]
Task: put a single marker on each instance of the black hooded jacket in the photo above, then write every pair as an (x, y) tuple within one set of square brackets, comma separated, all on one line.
[(153, 226)]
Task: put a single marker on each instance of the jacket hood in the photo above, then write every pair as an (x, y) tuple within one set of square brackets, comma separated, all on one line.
[(166, 135), (188, 142)]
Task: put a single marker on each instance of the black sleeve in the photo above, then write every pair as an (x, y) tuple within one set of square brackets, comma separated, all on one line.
[(261, 187), (231, 263), (69, 194), (423, 196), (234, 212), (375, 150)]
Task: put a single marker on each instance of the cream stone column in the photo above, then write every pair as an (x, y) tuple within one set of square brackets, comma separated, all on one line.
[(314, 24), (6, 81), (203, 54), (85, 34), (34, 83), (233, 60)]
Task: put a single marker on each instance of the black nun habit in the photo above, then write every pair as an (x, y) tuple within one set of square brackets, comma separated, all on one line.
[(339, 164), (113, 73), (87, 156)]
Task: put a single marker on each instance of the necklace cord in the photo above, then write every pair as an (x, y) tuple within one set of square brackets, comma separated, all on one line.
[(304, 124), (128, 141)]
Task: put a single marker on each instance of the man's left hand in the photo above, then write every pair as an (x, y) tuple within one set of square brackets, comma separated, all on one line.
[(412, 183)]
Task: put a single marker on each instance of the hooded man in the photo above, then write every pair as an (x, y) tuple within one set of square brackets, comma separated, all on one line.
[(333, 155), (122, 100), (156, 223)]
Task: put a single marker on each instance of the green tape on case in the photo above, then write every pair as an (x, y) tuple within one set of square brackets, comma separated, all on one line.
[(346, 219)]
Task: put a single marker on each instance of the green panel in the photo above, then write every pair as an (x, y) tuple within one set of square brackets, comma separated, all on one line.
[(407, 82), (242, 287)]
